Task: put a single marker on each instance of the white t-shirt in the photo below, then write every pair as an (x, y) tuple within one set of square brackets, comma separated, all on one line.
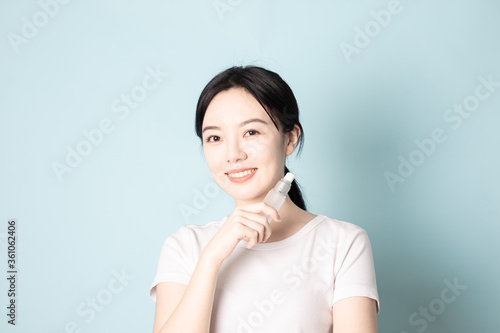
[(284, 286)]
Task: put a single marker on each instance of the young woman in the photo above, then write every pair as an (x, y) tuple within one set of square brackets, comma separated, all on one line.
[(301, 272)]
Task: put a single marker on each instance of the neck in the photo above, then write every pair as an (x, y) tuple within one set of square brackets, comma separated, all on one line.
[(293, 218), (288, 211)]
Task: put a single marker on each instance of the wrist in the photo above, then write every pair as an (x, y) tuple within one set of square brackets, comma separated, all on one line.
[(208, 257)]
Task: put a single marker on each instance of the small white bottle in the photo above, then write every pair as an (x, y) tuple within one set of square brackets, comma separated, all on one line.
[(276, 197)]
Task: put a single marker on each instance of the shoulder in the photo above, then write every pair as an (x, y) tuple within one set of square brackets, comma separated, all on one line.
[(339, 226), (201, 229), (341, 232), (195, 234)]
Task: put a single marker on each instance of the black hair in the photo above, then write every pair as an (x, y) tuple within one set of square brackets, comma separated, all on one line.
[(273, 94)]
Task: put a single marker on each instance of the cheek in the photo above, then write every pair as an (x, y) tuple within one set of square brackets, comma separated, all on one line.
[(213, 158), (261, 147), (274, 147)]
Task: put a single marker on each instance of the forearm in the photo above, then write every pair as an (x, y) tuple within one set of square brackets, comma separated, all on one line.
[(193, 313)]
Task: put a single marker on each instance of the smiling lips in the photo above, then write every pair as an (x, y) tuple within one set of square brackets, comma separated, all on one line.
[(243, 176)]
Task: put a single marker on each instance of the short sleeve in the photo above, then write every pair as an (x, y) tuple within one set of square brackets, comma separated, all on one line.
[(176, 260), (355, 269)]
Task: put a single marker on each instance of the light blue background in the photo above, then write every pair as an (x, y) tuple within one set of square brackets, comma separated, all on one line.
[(114, 210)]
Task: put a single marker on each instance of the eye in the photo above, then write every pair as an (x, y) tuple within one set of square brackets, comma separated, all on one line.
[(254, 131), (210, 137)]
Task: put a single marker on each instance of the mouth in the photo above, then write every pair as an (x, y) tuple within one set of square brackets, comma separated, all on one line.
[(239, 177)]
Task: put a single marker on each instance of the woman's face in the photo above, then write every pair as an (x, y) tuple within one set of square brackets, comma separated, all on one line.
[(244, 150)]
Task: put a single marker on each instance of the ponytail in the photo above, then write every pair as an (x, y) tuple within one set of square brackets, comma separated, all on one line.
[(296, 194)]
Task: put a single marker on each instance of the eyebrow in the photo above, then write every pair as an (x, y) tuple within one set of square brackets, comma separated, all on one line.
[(257, 120)]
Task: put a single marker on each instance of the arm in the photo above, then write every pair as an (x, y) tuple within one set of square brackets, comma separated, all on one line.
[(188, 309), (355, 302), (356, 314)]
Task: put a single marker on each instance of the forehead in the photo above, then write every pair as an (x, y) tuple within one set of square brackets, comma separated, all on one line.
[(233, 106)]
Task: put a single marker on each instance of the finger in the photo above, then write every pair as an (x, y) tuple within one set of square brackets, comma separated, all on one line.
[(257, 227), (243, 231), (271, 211), (251, 236), (254, 217), (250, 244), (264, 208)]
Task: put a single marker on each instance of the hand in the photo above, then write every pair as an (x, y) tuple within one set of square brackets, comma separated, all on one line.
[(244, 223)]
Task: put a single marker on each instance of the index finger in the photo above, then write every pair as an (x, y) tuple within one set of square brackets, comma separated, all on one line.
[(262, 207)]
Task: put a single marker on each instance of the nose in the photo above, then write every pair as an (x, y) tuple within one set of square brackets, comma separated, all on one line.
[(236, 152)]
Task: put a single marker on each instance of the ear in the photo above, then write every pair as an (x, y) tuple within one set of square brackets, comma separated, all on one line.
[(292, 138)]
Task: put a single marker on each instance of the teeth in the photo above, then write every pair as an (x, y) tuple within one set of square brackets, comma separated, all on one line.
[(241, 174)]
